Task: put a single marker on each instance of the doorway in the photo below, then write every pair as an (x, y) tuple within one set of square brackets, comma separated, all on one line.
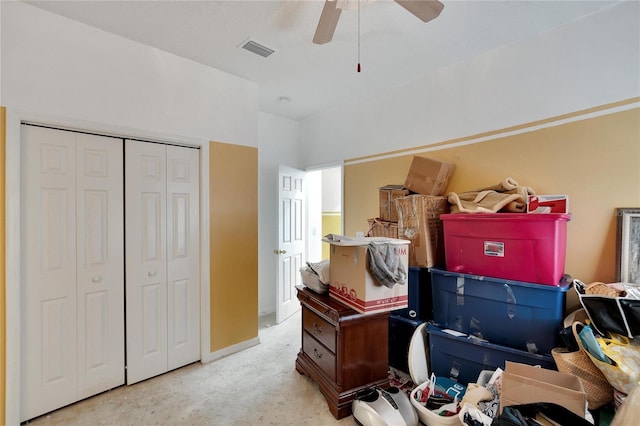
[(324, 203), (316, 209)]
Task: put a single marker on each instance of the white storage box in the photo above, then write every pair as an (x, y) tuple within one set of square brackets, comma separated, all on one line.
[(312, 281)]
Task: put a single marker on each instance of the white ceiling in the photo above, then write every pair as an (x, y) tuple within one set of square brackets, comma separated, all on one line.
[(395, 47)]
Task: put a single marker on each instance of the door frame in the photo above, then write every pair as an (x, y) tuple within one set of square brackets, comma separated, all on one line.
[(14, 119)]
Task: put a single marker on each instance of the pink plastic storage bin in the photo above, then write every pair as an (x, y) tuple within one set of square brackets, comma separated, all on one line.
[(514, 246)]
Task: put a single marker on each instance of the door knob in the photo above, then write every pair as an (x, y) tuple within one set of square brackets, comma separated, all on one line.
[(279, 251)]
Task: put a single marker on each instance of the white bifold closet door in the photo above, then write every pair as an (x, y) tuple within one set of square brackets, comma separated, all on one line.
[(73, 268), (162, 260)]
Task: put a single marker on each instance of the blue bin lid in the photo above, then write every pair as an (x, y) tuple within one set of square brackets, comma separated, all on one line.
[(563, 286)]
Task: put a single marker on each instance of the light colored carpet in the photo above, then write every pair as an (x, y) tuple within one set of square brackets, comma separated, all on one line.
[(258, 386)]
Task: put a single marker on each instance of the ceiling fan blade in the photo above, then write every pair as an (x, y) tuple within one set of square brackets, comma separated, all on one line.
[(327, 23), (425, 10)]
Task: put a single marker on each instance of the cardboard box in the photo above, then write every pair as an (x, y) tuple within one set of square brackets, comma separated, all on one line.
[(382, 228), (523, 384), (428, 176), (351, 282), (419, 222), (548, 204), (388, 195)]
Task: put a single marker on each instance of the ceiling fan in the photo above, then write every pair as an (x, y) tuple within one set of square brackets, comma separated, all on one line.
[(425, 10)]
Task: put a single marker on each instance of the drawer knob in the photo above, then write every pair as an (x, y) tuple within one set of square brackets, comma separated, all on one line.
[(317, 354), (317, 328)]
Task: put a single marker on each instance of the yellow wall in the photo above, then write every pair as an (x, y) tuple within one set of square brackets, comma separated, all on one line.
[(331, 224), (233, 181), (3, 342), (596, 161)]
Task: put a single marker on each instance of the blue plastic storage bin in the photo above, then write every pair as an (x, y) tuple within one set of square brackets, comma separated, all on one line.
[(401, 331), (520, 315), (420, 305), (463, 358)]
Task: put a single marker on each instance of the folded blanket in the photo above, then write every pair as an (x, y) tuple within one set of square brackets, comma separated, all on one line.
[(485, 202), (506, 196), (509, 184)]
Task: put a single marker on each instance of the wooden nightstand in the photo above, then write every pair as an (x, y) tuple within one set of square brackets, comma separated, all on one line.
[(343, 351)]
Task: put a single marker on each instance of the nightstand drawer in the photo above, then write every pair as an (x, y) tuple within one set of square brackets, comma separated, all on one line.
[(319, 328), (320, 355)]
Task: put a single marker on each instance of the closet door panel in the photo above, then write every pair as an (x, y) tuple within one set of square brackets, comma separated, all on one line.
[(146, 277), (153, 313), (100, 262), (183, 188), (49, 323)]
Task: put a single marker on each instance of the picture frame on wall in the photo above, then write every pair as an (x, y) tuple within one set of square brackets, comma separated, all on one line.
[(628, 245)]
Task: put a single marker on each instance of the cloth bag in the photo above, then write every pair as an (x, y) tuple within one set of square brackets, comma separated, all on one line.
[(624, 371), (598, 389), (610, 313)]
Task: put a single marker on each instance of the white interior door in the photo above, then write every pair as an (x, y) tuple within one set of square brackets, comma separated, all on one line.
[(146, 259), (49, 350), (162, 260), (183, 277), (72, 293), (291, 240), (100, 264)]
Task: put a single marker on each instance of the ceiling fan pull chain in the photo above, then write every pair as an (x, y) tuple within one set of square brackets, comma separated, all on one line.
[(358, 35)]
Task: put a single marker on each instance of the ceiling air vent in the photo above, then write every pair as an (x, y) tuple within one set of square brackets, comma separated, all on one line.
[(257, 48)]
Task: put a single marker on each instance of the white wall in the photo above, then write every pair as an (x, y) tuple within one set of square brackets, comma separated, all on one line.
[(583, 64), (332, 189), (315, 198), (277, 145), (58, 68)]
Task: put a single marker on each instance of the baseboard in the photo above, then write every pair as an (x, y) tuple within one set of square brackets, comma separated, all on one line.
[(268, 311), (230, 350)]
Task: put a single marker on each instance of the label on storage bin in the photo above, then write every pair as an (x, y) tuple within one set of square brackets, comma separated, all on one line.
[(494, 248)]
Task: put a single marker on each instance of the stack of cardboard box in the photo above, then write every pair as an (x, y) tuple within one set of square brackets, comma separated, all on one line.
[(411, 211)]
